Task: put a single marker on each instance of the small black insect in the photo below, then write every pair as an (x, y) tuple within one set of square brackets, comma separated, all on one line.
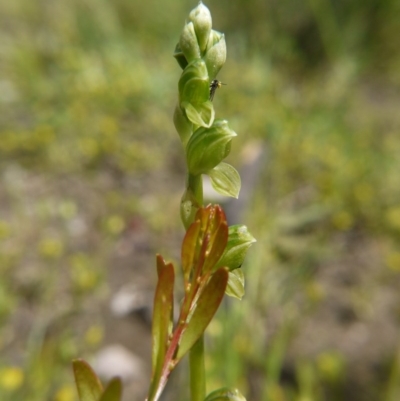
[(214, 85)]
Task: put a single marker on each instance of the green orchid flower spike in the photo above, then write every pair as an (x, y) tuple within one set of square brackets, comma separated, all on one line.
[(201, 53), (212, 252)]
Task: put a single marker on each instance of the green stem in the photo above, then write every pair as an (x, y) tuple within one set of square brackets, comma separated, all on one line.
[(197, 371), (195, 186), (192, 199), (196, 354)]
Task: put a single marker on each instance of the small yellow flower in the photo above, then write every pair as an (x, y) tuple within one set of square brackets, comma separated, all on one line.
[(65, 393), (343, 220), (51, 248), (393, 217), (94, 335), (393, 261), (115, 224), (11, 378)]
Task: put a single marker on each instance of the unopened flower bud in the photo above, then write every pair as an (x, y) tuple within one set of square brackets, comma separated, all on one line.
[(194, 93), (194, 83), (239, 241), (201, 18), (183, 125), (225, 394), (216, 54), (188, 43), (207, 147), (214, 38), (180, 57)]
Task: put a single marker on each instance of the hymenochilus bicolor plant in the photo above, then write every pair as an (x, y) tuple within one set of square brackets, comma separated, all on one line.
[(212, 252)]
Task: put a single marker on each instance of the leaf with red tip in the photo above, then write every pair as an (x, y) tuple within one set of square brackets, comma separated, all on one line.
[(160, 264), (88, 384), (205, 309), (113, 391), (162, 317)]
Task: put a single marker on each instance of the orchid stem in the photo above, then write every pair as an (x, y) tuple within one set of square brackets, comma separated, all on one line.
[(197, 371)]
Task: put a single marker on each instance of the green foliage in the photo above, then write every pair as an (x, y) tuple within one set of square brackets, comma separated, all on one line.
[(89, 386)]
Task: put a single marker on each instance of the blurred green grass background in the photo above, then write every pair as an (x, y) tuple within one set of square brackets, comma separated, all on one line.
[(89, 159)]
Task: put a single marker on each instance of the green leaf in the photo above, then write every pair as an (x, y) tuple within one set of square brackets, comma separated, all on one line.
[(235, 287), (239, 241), (204, 311), (225, 180), (88, 384), (113, 391), (225, 394), (162, 316)]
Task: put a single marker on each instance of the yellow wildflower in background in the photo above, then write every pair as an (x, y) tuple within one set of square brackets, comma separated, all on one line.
[(11, 378), (65, 393)]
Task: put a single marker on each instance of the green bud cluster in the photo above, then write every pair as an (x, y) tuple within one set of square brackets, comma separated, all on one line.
[(201, 53)]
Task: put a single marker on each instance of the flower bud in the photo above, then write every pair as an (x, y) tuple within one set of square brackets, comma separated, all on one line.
[(239, 241), (207, 147), (188, 43), (214, 38), (183, 125), (216, 54), (194, 93), (200, 114), (194, 83), (202, 22), (225, 394), (180, 57)]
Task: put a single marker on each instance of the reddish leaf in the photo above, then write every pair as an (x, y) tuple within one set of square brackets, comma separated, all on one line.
[(217, 245), (190, 249), (88, 384), (162, 317), (203, 216), (113, 391), (205, 309), (217, 231), (160, 264)]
